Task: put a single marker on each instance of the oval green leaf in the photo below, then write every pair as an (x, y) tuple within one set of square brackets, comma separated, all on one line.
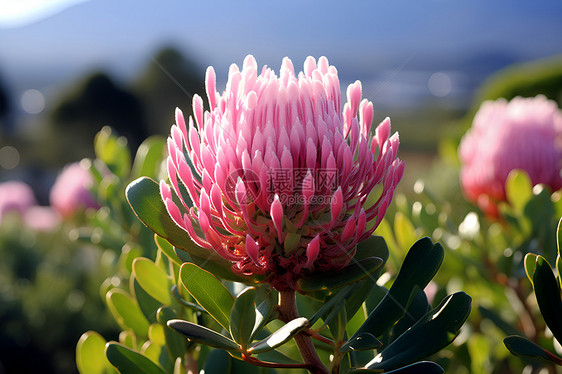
[(128, 361), (202, 335), (208, 291), (521, 347), (281, 336), (243, 317), (126, 312), (153, 280), (90, 356)]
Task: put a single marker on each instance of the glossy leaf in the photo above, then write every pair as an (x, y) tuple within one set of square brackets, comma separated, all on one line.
[(418, 307), (354, 272), (148, 305), (373, 246), (167, 249), (90, 356), (144, 197), (209, 292), (362, 342), (265, 305), (281, 336), (126, 312), (203, 335), (243, 317), (128, 361), (153, 280), (422, 367), (175, 344), (547, 291), (420, 265), (437, 329), (530, 264), (522, 347)]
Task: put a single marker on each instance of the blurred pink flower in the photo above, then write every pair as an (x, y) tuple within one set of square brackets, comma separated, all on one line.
[(15, 196), (41, 218), (71, 191), (524, 133), (283, 180)]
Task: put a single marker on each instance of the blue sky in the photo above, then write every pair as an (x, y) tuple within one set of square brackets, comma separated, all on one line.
[(364, 39)]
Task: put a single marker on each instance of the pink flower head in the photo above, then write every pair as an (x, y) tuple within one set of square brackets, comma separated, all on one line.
[(71, 191), (283, 180), (524, 133), (15, 196)]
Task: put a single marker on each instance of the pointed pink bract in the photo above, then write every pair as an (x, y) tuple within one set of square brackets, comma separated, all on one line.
[(280, 170)]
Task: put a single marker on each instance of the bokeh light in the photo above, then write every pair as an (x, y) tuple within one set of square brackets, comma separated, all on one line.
[(33, 101)]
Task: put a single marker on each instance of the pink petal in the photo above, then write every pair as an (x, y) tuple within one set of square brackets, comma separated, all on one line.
[(252, 250), (312, 251), (276, 213)]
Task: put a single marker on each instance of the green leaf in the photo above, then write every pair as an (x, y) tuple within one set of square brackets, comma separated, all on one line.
[(354, 272), (153, 280), (362, 342), (126, 312), (422, 367), (530, 262), (373, 246), (143, 195), (434, 331), (518, 189), (281, 336), (175, 344), (522, 347), (167, 249), (202, 335), (418, 307), (265, 305), (90, 356), (128, 361), (336, 302), (148, 158), (420, 265), (208, 291), (243, 317), (148, 305), (547, 291)]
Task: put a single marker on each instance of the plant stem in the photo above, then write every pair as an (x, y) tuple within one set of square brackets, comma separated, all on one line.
[(288, 311)]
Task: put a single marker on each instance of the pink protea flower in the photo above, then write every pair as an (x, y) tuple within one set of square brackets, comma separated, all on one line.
[(524, 133), (15, 196), (71, 191), (283, 181)]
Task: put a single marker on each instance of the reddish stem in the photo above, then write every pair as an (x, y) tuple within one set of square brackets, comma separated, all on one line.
[(288, 311)]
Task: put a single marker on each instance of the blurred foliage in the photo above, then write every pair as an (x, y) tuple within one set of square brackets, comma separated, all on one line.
[(48, 296), (169, 80), (485, 258)]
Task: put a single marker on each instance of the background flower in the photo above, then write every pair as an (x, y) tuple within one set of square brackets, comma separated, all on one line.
[(284, 180), (71, 191), (15, 196), (524, 133)]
